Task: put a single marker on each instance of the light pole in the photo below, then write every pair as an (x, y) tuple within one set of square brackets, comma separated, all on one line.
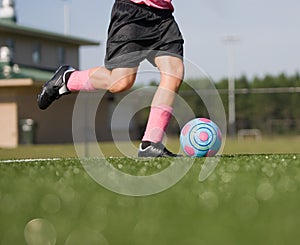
[(230, 40), (66, 17)]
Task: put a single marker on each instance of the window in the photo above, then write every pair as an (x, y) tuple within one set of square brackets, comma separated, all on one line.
[(10, 44), (36, 53), (61, 52)]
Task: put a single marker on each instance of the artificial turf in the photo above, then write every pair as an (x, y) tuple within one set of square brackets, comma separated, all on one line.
[(248, 199)]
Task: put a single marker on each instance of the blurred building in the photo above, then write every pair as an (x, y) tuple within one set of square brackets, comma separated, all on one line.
[(28, 58)]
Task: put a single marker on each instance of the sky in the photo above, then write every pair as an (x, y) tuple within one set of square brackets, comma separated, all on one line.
[(267, 32)]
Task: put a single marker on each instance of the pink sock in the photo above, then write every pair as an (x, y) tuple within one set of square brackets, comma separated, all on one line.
[(158, 120), (79, 81)]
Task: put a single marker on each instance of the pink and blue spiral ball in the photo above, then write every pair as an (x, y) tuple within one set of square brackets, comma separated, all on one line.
[(200, 137)]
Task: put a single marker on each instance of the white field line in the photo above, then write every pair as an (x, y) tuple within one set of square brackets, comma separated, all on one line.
[(30, 160)]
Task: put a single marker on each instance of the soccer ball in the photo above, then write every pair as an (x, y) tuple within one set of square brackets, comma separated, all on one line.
[(200, 137)]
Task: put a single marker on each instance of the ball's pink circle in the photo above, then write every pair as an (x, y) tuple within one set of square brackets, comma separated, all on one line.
[(203, 136), (211, 153), (186, 129), (206, 120), (189, 150)]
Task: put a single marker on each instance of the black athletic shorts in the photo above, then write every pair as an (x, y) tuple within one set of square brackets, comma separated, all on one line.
[(138, 32)]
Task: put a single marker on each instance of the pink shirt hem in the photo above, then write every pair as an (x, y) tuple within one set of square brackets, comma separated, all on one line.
[(160, 4)]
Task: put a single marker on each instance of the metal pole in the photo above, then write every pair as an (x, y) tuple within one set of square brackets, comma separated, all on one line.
[(66, 18), (230, 40)]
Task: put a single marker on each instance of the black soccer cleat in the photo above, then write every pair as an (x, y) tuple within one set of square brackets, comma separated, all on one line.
[(55, 87), (156, 150)]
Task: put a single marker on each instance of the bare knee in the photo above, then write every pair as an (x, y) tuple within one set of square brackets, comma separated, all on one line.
[(122, 84), (170, 66), (171, 70), (175, 69)]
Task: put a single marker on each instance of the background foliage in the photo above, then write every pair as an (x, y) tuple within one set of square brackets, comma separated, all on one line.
[(269, 103)]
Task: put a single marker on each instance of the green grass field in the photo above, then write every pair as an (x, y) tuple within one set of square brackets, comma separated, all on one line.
[(266, 145), (248, 199)]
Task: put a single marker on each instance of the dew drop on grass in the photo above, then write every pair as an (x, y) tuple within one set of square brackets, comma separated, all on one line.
[(209, 200), (236, 168), (284, 163), (51, 203), (67, 193), (265, 191), (40, 232), (226, 177), (143, 171), (76, 171), (270, 173), (297, 176), (286, 184)]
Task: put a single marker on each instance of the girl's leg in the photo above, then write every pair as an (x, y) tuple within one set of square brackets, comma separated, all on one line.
[(116, 80), (67, 79), (171, 71)]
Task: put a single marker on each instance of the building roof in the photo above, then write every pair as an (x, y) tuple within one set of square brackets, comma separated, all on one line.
[(17, 75), (35, 74), (9, 72), (12, 27)]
